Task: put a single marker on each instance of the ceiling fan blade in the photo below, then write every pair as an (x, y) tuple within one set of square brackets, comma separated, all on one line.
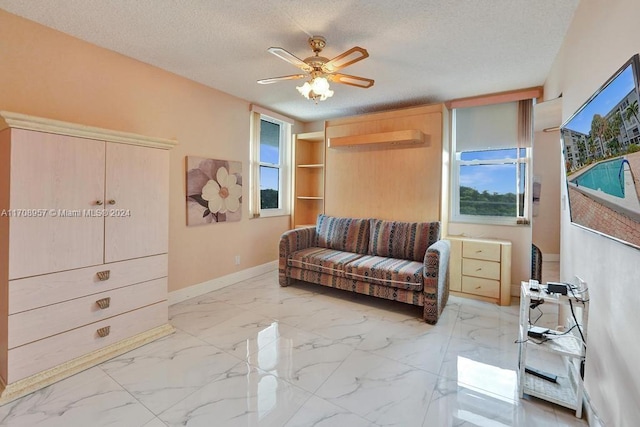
[(282, 78), (290, 58), (351, 80), (345, 59)]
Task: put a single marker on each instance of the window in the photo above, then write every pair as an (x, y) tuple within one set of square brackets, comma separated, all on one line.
[(271, 139), (492, 182), (270, 163), (491, 158)]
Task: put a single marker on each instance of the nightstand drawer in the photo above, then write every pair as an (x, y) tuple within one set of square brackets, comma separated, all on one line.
[(483, 287), (481, 250), (484, 269)]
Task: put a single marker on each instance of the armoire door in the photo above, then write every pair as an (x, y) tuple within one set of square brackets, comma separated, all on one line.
[(56, 183), (137, 202)]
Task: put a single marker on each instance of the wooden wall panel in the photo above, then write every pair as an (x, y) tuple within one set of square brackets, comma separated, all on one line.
[(382, 180)]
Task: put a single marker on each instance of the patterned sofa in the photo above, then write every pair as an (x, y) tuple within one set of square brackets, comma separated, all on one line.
[(400, 261)]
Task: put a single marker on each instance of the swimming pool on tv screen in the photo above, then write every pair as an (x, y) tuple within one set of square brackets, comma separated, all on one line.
[(605, 177)]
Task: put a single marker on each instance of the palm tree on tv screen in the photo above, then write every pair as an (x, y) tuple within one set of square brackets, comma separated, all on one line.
[(632, 111), (599, 130), (613, 132), (582, 151), (592, 147)]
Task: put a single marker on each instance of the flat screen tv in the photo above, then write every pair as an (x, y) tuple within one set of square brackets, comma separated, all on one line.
[(601, 147)]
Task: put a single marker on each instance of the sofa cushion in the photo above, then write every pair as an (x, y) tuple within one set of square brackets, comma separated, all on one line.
[(322, 260), (405, 240), (343, 234), (393, 272)]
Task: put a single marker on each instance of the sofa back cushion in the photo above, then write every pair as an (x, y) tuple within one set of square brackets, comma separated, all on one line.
[(343, 234), (404, 240)]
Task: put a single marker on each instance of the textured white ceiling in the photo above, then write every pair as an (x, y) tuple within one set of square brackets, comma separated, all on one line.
[(421, 51)]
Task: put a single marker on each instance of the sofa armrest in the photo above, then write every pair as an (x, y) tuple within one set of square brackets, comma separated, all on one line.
[(436, 279), (291, 241)]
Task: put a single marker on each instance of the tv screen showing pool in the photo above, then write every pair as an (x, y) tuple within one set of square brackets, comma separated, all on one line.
[(601, 148)]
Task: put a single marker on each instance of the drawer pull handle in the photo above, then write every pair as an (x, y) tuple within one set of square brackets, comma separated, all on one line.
[(99, 202), (479, 251), (103, 332), (112, 202), (478, 269), (478, 287), (104, 303), (103, 275)]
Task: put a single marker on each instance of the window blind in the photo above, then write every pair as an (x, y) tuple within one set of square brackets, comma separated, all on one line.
[(486, 127)]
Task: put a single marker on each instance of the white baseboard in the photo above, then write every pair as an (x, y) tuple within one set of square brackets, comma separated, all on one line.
[(551, 257), (219, 282)]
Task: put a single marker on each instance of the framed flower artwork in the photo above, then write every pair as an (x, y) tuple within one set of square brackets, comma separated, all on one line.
[(214, 190)]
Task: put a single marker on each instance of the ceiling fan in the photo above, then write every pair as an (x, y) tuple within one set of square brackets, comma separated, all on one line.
[(321, 70)]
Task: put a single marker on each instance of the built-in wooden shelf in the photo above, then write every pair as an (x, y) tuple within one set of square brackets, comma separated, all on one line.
[(308, 177), (398, 137), (311, 136)]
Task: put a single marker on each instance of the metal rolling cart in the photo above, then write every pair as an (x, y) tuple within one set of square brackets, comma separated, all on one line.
[(565, 390)]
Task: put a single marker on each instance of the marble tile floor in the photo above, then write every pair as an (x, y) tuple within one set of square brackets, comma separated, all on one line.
[(255, 354)]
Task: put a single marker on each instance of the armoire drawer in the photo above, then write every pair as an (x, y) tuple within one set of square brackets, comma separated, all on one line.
[(38, 291), (32, 325), (484, 287), (478, 268), (44, 354)]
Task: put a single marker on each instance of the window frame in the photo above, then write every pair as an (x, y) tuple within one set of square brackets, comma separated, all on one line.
[(284, 179), (457, 163)]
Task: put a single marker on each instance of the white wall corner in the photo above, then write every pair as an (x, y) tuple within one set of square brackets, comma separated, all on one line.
[(220, 282)]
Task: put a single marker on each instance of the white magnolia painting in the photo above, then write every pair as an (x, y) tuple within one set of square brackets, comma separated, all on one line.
[(214, 190)]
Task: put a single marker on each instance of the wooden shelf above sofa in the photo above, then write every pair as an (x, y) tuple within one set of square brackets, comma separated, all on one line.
[(397, 137)]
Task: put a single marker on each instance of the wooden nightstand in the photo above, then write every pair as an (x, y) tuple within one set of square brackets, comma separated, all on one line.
[(481, 269)]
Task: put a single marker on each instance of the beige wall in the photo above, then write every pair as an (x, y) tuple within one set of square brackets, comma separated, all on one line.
[(603, 35), (49, 74), (317, 126), (547, 169)]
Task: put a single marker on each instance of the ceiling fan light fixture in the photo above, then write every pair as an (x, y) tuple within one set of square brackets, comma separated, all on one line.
[(320, 69), (318, 89)]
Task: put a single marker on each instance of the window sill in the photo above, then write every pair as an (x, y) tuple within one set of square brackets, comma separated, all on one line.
[(271, 214), (514, 222)]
